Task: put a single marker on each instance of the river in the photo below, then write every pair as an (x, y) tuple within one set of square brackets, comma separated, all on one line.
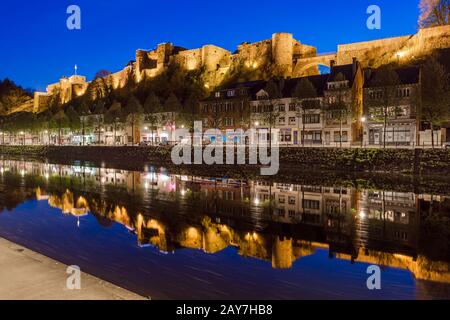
[(172, 236)]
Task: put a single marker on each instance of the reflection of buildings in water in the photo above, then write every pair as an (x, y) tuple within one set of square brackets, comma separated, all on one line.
[(66, 203), (389, 217), (284, 222)]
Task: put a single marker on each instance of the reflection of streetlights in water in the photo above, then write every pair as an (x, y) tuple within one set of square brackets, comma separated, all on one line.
[(363, 121)]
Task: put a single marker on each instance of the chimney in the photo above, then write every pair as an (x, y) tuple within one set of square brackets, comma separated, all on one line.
[(355, 66), (332, 64), (368, 73)]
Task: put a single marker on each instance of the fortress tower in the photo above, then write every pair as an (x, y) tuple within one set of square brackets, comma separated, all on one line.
[(282, 53)]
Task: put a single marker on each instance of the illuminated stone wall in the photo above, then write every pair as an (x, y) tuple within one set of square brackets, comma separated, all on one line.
[(281, 55)]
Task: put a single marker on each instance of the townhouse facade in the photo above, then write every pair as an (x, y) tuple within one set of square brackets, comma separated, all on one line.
[(332, 118), (391, 113), (229, 108)]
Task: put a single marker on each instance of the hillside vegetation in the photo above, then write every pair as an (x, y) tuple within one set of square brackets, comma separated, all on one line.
[(14, 98)]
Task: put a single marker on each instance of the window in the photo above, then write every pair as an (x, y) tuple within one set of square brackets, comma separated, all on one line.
[(337, 136), (205, 108), (311, 204), (281, 108), (285, 135), (403, 92), (292, 120), (229, 122), (281, 199), (291, 213), (281, 212), (292, 107), (231, 93), (376, 94), (282, 120), (337, 85), (402, 112), (332, 99), (311, 118), (291, 200), (312, 137), (217, 95)]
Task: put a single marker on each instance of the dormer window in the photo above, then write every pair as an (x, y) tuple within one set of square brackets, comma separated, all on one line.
[(231, 93), (262, 95), (217, 95)]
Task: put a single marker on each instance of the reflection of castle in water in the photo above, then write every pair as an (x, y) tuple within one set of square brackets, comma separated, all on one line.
[(277, 222)]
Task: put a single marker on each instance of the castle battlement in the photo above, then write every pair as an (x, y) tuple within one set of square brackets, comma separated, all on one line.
[(282, 55)]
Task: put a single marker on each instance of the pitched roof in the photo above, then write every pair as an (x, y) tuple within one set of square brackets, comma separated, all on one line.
[(346, 70), (406, 75), (318, 81), (252, 86), (288, 85)]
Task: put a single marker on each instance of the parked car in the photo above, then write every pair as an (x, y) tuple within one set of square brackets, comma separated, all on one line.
[(143, 144), (446, 145)]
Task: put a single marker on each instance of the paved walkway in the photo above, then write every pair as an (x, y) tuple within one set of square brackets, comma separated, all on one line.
[(27, 275)]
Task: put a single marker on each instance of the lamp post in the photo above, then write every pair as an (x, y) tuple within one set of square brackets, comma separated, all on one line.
[(363, 121)]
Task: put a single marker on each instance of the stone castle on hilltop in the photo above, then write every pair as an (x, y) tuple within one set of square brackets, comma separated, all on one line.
[(281, 56)]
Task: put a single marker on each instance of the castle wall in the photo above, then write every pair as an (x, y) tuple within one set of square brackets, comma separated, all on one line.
[(189, 59), (254, 55), (214, 57), (119, 79), (398, 49)]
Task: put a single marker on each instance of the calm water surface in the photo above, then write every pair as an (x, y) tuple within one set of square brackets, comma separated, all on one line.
[(189, 237)]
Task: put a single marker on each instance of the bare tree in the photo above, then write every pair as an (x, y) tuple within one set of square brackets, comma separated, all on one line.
[(271, 116), (434, 13), (435, 104), (303, 91)]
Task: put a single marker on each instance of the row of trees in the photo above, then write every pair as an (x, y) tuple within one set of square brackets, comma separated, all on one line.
[(173, 91), (75, 116)]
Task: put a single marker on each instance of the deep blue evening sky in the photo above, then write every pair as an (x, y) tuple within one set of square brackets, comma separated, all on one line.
[(37, 48)]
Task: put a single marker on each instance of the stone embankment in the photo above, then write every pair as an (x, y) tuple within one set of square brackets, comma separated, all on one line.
[(405, 161)]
